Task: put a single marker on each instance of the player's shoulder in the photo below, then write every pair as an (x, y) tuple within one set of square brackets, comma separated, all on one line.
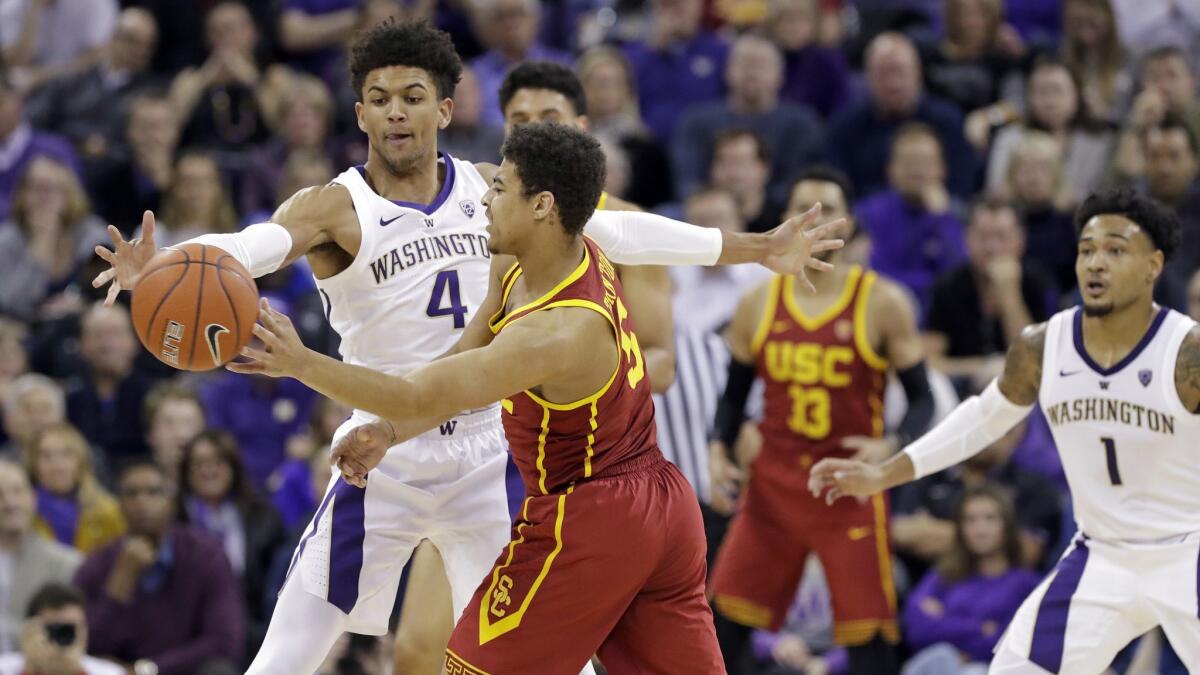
[(886, 295), (320, 202), (1032, 340), (486, 170)]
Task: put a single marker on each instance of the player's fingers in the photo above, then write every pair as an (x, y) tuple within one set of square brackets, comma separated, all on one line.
[(114, 290), (148, 228), (254, 354), (115, 235), (103, 278), (106, 255), (245, 367), (819, 265), (825, 230), (833, 495), (264, 334), (822, 245), (806, 282), (854, 442)]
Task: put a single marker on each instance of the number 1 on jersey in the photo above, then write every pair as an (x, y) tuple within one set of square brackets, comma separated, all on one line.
[(447, 282), (1110, 455)]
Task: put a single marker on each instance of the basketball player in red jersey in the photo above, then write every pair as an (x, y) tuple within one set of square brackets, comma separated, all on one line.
[(824, 359), (607, 556)]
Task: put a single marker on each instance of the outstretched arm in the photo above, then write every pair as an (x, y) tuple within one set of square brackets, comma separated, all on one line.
[(310, 218), (974, 424)]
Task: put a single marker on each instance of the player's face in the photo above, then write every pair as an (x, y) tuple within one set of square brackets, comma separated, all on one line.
[(401, 111), (509, 213), (982, 526), (1116, 266), (809, 193), (541, 105)]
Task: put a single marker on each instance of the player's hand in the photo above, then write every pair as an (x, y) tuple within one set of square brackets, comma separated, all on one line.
[(794, 244), (284, 354), (361, 450), (126, 257), (845, 478), (791, 651), (725, 479), (870, 449)]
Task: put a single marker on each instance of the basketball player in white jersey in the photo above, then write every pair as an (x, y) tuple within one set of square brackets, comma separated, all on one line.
[(1119, 381), (398, 249)]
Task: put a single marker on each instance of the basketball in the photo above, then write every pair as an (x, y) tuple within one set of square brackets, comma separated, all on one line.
[(194, 307)]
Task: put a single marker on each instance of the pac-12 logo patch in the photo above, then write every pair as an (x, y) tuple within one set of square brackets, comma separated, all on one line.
[(1144, 376), (468, 207)]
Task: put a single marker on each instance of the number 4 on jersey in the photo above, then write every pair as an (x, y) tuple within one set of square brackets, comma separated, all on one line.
[(447, 283)]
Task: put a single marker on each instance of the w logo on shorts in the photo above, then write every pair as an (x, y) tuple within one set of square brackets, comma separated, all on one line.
[(448, 427)]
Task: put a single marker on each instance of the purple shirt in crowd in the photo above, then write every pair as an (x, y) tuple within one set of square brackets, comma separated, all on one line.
[(671, 80), (186, 612), (20, 148), (491, 68), (909, 244), (818, 77), (325, 63), (966, 606)]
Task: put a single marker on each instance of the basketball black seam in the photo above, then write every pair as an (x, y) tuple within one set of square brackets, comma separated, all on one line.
[(163, 299), (199, 306), (237, 323), (187, 262), (238, 273)]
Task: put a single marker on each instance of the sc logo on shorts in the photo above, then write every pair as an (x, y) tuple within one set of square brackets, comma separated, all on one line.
[(500, 597)]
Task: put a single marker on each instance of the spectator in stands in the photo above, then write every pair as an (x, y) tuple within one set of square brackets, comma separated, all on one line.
[(173, 417), (1168, 86), (51, 232), (33, 401), (742, 167), (469, 136), (90, 107), (510, 28), (41, 40), (1172, 153), (863, 132), (305, 116), (706, 297), (54, 640), (128, 184), (14, 361), (1091, 48), (972, 67), (677, 65), (915, 234), (813, 75), (162, 597), (20, 143), (32, 560), (215, 495), (315, 32), (196, 202), (218, 101), (1146, 26), (612, 112), (1037, 190), (262, 413), (73, 508), (980, 307), (1055, 107), (792, 135), (923, 512), (957, 613), (105, 401), (292, 484)]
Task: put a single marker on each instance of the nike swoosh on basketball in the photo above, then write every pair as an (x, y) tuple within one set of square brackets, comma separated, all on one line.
[(1063, 373), (389, 221), (211, 333)]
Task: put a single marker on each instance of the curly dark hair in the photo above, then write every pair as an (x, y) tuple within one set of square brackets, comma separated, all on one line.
[(562, 160), (1158, 221), (416, 44), (543, 75)]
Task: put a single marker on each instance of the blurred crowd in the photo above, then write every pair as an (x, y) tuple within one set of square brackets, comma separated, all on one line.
[(148, 517)]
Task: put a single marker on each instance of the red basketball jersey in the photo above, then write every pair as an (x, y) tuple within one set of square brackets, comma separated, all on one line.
[(557, 444), (823, 379)]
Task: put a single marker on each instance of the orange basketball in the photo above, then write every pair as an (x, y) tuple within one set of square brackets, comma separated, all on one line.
[(194, 307)]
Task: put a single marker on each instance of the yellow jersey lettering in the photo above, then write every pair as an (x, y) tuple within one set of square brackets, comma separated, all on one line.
[(500, 597), (629, 345), (809, 364), (810, 412)]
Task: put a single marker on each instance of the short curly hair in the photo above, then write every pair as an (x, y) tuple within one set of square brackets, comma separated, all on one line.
[(562, 160), (1156, 220), (543, 75), (416, 44)]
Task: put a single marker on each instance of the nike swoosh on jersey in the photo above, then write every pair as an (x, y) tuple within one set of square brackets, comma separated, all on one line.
[(389, 221), (211, 332), (1063, 373)]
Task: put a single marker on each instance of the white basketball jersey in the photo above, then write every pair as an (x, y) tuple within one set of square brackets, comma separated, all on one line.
[(1128, 446), (420, 274)]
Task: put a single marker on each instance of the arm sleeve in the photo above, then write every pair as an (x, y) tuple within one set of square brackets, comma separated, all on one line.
[(633, 238), (261, 248), (915, 381), (972, 426), (731, 409)]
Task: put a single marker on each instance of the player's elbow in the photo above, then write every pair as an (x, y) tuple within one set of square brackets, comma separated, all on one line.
[(660, 364)]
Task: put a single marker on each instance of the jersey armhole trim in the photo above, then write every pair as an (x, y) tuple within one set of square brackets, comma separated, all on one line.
[(861, 341), (508, 281), (573, 405), (768, 315), (574, 276)]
